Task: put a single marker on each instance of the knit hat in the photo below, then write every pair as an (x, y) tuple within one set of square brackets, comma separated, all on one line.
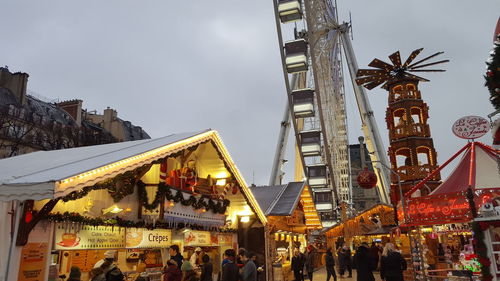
[(110, 254), (186, 266)]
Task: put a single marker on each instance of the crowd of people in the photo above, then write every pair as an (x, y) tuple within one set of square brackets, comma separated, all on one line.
[(367, 259), (235, 267)]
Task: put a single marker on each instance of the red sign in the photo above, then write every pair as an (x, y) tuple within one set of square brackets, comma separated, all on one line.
[(437, 207), (471, 127)]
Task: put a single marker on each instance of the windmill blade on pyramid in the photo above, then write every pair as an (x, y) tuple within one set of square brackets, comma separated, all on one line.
[(412, 76), (382, 77), (428, 64), (396, 59), (412, 56), (381, 64), (422, 60)]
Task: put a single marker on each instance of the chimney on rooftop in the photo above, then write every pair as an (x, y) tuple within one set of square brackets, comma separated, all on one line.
[(73, 108), (14, 82)]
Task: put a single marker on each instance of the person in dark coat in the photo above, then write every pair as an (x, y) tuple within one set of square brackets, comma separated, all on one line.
[(345, 261), (364, 263), (175, 254), (206, 269), (330, 266), (230, 271), (249, 271), (392, 264), (309, 262), (297, 265), (375, 253)]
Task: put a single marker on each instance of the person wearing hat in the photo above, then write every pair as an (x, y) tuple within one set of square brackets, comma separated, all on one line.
[(188, 273), (195, 257), (172, 272), (109, 255)]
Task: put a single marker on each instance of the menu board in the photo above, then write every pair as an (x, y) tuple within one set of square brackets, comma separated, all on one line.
[(33, 260), (197, 238), (145, 238), (89, 237)]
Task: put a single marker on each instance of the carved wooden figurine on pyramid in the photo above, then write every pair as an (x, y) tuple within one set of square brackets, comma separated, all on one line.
[(411, 150)]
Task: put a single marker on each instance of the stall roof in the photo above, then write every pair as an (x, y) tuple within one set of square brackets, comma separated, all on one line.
[(280, 200), (52, 174)]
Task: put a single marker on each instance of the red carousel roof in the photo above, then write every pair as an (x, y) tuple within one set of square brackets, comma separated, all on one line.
[(479, 169)]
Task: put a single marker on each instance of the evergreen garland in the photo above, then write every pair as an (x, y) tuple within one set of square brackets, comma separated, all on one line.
[(492, 76), (165, 191), (482, 250), (119, 222)]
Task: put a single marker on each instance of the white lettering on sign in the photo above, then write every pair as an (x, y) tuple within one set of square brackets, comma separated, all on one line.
[(471, 127)]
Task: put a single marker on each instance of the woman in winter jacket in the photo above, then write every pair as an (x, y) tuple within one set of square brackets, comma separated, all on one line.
[(392, 264), (364, 263)]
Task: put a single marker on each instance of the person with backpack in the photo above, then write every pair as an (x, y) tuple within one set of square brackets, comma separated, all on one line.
[(392, 264), (112, 272)]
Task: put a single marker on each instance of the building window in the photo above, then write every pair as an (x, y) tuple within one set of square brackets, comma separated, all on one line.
[(328, 216)]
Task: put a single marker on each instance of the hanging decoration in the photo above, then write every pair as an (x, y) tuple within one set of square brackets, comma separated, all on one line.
[(367, 179), (165, 191), (119, 222)]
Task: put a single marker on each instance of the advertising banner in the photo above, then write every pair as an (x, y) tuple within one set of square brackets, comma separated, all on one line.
[(33, 260), (144, 238), (197, 238), (89, 237)]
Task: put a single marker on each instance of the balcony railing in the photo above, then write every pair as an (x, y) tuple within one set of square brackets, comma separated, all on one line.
[(414, 172), (410, 130)]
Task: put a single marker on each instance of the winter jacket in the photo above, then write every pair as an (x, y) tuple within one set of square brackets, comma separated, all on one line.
[(392, 266), (329, 261), (172, 273), (230, 271), (178, 259), (309, 262), (298, 263), (249, 272), (206, 272), (344, 257), (364, 264)]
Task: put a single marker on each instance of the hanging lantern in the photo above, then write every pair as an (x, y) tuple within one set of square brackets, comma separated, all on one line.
[(367, 179)]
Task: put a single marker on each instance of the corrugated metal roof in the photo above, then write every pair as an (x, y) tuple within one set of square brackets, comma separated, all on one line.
[(278, 200)]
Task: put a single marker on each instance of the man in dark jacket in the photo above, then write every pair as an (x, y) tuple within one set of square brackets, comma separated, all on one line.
[(249, 272), (309, 261), (364, 263), (345, 263), (175, 254), (298, 265), (230, 271), (330, 266)]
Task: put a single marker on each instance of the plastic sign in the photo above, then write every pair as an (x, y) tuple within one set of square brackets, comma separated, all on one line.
[(471, 127)]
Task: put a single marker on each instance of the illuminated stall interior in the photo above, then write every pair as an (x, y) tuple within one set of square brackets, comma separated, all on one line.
[(291, 217), (182, 189)]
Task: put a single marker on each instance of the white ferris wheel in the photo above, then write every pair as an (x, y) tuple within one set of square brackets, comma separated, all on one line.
[(312, 60)]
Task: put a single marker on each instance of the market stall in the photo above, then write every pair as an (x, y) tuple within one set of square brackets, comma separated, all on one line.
[(291, 218), (132, 199), (446, 231)]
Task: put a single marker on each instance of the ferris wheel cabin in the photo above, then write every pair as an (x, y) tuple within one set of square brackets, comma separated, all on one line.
[(289, 10), (303, 103), (296, 56), (310, 143), (317, 176)]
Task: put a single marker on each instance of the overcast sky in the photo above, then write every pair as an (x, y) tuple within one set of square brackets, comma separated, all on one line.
[(177, 66)]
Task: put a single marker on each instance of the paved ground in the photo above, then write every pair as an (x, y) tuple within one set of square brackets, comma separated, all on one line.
[(320, 275)]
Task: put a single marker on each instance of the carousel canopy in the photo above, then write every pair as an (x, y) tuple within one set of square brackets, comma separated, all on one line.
[(52, 174), (478, 169)]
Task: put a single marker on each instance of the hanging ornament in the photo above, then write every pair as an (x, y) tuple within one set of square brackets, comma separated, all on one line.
[(235, 188), (490, 73), (367, 179), (28, 217)]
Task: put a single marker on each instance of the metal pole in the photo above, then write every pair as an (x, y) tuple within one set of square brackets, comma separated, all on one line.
[(276, 171), (12, 245)]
